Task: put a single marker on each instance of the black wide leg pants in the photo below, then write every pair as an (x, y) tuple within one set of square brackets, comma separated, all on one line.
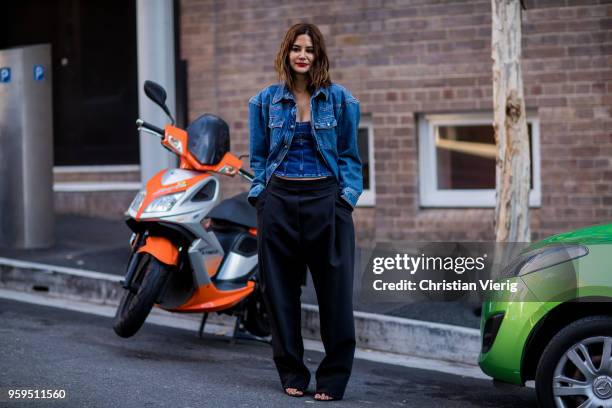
[(306, 223)]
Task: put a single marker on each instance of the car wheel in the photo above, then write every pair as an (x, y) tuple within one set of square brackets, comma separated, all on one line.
[(575, 369)]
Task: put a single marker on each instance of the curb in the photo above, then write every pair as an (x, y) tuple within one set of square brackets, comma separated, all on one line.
[(398, 335)]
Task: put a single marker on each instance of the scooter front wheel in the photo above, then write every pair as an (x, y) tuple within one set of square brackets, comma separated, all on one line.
[(134, 308)]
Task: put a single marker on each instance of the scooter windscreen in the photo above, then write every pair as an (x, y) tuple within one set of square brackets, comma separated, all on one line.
[(209, 139)]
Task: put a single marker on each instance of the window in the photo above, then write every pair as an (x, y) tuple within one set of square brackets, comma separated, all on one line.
[(457, 160), (366, 153)]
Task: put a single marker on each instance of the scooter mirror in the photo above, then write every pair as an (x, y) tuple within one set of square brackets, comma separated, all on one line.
[(157, 94)]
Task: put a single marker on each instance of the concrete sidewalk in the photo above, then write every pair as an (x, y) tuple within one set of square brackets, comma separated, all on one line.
[(88, 261)]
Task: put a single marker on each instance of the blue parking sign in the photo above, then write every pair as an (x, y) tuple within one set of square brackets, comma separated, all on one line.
[(5, 74), (39, 72)]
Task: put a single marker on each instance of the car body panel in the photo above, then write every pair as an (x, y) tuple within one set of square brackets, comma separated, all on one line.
[(596, 234), (521, 313), (587, 278)]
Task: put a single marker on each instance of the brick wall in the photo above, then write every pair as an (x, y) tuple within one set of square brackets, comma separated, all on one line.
[(400, 58)]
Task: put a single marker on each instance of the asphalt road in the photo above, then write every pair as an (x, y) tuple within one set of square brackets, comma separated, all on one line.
[(50, 348)]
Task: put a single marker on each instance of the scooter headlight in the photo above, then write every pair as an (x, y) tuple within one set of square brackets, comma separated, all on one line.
[(164, 203), (135, 206)]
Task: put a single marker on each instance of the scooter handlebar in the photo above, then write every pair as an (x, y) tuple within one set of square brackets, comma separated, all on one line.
[(147, 126), (246, 175)]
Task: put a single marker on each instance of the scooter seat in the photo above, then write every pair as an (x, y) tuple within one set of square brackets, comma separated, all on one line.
[(236, 210)]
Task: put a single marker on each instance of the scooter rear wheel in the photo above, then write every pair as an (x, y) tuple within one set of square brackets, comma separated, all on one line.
[(256, 321), (135, 307)]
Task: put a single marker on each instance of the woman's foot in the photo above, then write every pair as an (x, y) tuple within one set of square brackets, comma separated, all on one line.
[(321, 396), (294, 392)]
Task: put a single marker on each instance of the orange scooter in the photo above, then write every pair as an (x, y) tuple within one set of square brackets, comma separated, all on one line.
[(192, 252)]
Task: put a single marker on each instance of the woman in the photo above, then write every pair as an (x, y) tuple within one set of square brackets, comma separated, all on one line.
[(303, 151)]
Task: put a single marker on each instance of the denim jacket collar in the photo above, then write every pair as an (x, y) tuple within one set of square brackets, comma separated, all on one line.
[(283, 92), (323, 91)]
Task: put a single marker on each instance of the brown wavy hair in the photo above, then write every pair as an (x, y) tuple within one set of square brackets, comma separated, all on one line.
[(318, 74)]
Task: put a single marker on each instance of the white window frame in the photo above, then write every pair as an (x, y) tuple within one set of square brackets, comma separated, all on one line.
[(429, 193), (368, 197)]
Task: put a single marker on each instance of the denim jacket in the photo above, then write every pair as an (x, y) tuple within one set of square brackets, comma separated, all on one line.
[(334, 120)]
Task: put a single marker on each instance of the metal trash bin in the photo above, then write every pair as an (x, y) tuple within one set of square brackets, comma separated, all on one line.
[(26, 148)]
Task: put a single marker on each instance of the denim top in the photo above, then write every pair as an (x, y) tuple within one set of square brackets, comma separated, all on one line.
[(303, 159)]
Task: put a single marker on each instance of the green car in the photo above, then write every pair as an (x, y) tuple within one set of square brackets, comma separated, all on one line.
[(556, 328)]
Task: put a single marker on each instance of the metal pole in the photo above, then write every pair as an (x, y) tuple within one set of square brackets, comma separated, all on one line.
[(155, 33)]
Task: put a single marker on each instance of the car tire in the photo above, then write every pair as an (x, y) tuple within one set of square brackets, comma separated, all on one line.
[(586, 332)]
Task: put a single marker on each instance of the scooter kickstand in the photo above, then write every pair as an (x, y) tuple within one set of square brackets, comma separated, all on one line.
[(237, 325), (202, 323), (241, 334)]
